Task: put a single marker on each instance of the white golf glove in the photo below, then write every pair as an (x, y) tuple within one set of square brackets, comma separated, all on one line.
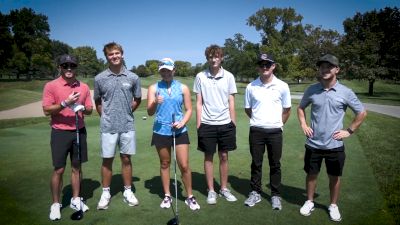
[(77, 107)]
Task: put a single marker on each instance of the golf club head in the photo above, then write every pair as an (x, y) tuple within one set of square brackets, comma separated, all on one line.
[(173, 221), (78, 215)]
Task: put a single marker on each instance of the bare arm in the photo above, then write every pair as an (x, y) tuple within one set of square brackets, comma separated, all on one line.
[(151, 100), (355, 124), (199, 106), (301, 115), (187, 101), (285, 114), (135, 103), (232, 111)]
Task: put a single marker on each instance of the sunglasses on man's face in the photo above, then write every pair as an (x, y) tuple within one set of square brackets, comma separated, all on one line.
[(265, 65), (67, 66)]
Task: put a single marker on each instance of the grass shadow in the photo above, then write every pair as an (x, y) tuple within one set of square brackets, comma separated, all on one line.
[(117, 184), (88, 187), (154, 186)]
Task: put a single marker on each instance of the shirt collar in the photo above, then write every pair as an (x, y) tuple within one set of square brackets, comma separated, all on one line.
[(123, 72), (64, 82), (220, 73)]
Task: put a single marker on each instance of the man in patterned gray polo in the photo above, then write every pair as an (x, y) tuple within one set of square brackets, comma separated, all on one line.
[(117, 95)]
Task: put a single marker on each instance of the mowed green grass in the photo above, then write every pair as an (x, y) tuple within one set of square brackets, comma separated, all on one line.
[(25, 169)]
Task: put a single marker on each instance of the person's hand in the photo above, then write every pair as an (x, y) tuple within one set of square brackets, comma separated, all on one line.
[(340, 134), (159, 99), (178, 125), (72, 98), (307, 130), (77, 107)]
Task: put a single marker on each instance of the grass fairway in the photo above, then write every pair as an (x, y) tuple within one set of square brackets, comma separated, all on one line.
[(25, 169)]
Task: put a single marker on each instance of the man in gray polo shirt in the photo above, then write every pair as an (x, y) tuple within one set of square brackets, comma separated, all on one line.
[(117, 95), (329, 100)]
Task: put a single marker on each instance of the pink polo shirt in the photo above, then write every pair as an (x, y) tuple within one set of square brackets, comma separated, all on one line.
[(57, 91)]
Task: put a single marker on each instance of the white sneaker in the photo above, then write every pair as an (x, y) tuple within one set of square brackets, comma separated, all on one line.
[(104, 200), (253, 199), (307, 208), (130, 198), (166, 202), (76, 204), (55, 213), (226, 193), (212, 198), (334, 213), (192, 203), (276, 202)]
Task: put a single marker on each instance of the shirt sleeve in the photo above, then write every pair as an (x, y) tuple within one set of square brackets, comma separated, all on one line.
[(96, 91), (247, 98), (137, 89), (48, 96), (197, 84), (232, 85), (354, 103), (286, 98), (305, 100)]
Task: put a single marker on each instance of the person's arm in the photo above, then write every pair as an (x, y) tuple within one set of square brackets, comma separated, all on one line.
[(199, 106), (97, 102), (151, 100), (301, 115), (56, 108), (285, 114), (355, 124), (135, 103), (232, 111), (187, 101)]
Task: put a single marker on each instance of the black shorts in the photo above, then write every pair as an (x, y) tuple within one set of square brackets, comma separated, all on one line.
[(334, 160), (211, 136), (162, 141), (63, 142)]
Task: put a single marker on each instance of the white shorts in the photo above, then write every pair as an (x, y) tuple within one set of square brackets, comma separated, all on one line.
[(126, 142)]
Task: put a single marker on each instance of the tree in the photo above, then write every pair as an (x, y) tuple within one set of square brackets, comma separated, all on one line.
[(143, 71), (371, 47), (183, 68), (6, 42), (89, 65), (240, 57), (282, 34), (152, 66)]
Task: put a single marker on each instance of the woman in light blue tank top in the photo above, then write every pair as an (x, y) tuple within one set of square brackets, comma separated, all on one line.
[(165, 100)]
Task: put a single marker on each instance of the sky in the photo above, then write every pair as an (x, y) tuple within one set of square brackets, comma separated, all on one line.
[(179, 29)]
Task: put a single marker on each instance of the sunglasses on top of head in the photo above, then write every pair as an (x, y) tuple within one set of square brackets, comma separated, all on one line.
[(67, 66)]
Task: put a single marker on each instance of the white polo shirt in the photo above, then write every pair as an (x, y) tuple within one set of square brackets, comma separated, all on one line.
[(267, 102), (215, 91)]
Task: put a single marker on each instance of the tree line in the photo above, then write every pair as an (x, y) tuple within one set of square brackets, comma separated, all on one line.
[(369, 49)]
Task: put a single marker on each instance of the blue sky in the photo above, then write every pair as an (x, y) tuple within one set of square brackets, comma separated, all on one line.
[(179, 29)]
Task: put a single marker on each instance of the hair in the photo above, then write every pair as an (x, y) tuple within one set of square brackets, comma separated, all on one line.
[(111, 46), (214, 50)]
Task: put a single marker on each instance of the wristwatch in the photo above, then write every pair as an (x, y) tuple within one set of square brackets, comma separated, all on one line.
[(63, 104), (350, 130)]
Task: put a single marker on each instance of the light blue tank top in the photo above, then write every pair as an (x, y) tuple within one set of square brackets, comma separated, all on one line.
[(171, 106)]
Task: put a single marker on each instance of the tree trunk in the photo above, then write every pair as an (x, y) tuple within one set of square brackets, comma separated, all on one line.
[(371, 87)]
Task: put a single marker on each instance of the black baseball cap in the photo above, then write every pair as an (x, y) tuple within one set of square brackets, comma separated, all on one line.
[(67, 59), (264, 57), (328, 58)]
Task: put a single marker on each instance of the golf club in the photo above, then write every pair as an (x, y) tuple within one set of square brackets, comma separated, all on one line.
[(78, 215), (175, 220)]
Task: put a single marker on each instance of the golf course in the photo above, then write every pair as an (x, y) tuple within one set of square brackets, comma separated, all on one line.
[(370, 188)]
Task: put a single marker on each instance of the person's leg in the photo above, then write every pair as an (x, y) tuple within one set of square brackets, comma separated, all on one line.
[(257, 150), (334, 188), (311, 184), (75, 180), (106, 172), (223, 168), (56, 184), (165, 161), (126, 168), (182, 155), (209, 170), (274, 147)]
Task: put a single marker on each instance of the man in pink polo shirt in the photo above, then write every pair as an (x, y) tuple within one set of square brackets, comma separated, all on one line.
[(63, 97)]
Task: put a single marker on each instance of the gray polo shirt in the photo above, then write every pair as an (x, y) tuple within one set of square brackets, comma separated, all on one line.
[(328, 108), (116, 92), (215, 91)]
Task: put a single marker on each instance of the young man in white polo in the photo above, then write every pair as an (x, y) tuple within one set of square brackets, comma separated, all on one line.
[(215, 90), (267, 103)]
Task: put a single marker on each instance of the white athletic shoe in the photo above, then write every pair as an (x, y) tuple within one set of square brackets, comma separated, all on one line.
[(334, 213), (212, 198), (226, 193), (76, 204), (192, 203), (104, 200), (166, 202), (253, 199), (276, 202), (130, 198), (55, 213), (307, 208)]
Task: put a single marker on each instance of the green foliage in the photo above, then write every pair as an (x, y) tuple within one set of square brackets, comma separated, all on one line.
[(152, 66), (89, 65), (183, 69)]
